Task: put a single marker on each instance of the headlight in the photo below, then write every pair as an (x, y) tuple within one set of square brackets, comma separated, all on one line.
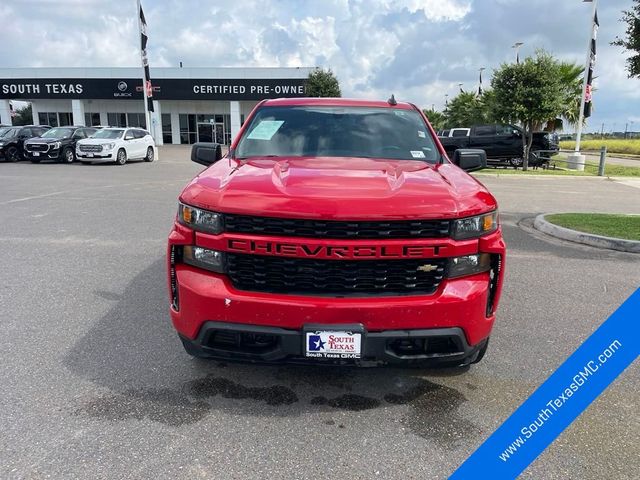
[(108, 146), (55, 145), (203, 258), (473, 227), (198, 219), (469, 265)]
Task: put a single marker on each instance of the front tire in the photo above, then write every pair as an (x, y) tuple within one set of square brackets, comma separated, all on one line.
[(515, 162), (121, 158), (150, 155), (481, 352), (12, 154), (192, 350), (68, 156)]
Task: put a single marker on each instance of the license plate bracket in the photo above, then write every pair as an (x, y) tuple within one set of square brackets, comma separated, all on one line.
[(338, 342)]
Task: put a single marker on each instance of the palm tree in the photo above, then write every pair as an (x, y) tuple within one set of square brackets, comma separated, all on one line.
[(571, 79), (436, 118)]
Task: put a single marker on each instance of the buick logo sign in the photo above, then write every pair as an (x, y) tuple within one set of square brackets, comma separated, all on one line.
[(122, 86)]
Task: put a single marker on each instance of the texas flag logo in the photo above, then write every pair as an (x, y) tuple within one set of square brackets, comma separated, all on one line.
[(315, 343)]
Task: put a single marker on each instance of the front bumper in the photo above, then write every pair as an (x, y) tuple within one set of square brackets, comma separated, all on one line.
[(253, 343), (202, 299), (96, 157), (48, 155)]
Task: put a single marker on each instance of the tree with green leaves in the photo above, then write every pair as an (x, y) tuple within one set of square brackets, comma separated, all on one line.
[(322, 83), (466, 109), (24, 116), (571, 78), (436, 118), (530, 93), (631, 42)]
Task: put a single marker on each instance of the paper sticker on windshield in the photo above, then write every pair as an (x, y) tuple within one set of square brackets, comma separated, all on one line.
[(421, 134), (417, 154), (265, 130)]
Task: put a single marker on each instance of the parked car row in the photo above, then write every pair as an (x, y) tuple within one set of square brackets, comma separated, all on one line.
[(67, 144)]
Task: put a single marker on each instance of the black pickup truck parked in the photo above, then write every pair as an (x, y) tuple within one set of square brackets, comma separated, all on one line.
[(503, 144)]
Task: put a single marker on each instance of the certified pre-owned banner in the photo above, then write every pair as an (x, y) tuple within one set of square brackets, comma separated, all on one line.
[(561, 398)]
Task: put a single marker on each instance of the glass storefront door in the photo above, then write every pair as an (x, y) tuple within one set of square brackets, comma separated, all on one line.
[(205, 132), (211, 132)]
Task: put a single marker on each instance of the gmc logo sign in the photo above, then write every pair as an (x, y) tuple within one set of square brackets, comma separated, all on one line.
[(267, 247)]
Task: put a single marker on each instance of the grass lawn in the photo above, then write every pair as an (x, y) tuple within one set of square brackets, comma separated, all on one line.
[(590, 169), (614, 145), (608, 225)]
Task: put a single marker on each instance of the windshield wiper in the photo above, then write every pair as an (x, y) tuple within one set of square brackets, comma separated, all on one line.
[(254, 156)]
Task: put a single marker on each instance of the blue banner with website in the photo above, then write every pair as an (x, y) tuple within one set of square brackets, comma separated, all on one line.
[(561, 398)]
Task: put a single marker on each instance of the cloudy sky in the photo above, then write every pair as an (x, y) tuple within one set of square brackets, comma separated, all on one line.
[(417, 49)]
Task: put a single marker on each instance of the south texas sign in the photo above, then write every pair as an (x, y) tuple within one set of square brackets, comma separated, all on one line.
[(163, 88)]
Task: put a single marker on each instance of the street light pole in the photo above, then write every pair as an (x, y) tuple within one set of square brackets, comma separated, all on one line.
[(517, 46)]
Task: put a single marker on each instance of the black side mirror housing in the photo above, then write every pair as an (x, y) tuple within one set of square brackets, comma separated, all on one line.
[(470, 159), (206, 153)]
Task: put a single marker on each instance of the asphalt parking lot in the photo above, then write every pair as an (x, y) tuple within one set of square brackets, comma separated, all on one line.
[(95, 383)]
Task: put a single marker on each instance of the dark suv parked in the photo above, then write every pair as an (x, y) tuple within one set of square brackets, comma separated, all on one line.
[(57, 144), (12, 140)]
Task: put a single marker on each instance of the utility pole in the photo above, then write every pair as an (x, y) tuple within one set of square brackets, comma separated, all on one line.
[(602, 131), (625, 130)]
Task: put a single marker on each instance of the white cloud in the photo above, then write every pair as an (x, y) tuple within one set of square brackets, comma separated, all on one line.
[(417, 49)]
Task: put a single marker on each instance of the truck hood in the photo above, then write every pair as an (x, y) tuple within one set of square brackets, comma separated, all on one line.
[(44, 140), (338, 188), (97, 141)]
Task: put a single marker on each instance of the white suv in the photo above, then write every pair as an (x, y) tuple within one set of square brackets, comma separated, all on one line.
[(116, 145)]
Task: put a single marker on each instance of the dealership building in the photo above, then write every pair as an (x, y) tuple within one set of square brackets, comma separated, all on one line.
[(190, 104)]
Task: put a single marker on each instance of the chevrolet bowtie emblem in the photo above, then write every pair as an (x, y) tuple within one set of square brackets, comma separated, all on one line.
[(427, 268)]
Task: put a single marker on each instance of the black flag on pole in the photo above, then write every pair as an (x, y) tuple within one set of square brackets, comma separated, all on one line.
[(145, 62), (480, 86), (592, 63)]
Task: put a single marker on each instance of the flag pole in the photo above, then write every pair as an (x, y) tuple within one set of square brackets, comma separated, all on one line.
[(586, 78), (147, 118)]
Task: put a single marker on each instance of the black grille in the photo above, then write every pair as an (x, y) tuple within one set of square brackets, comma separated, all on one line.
[(90, 148), (334, 277), (37, 147), (336, 229)]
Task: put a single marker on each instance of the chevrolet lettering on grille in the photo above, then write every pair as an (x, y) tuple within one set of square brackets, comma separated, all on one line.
[(268, 247)]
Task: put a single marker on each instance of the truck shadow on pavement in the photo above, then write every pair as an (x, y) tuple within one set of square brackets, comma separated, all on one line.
[(133, 353)]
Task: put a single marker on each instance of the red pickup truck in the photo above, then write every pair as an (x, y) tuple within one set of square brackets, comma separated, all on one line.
[(336, 231)]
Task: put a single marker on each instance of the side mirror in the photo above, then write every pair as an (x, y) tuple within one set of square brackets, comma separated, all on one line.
[(470, 159), (206, 153)]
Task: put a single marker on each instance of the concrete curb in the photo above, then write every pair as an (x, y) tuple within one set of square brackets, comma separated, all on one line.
[(598, 241)]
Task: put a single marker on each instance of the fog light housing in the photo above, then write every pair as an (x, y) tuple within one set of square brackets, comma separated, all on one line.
[(469, 265), (211, 260)]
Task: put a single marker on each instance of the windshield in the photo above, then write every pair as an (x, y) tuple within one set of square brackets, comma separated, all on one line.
[(313, 131), (7, 132), (58, 133), (107, 134)]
